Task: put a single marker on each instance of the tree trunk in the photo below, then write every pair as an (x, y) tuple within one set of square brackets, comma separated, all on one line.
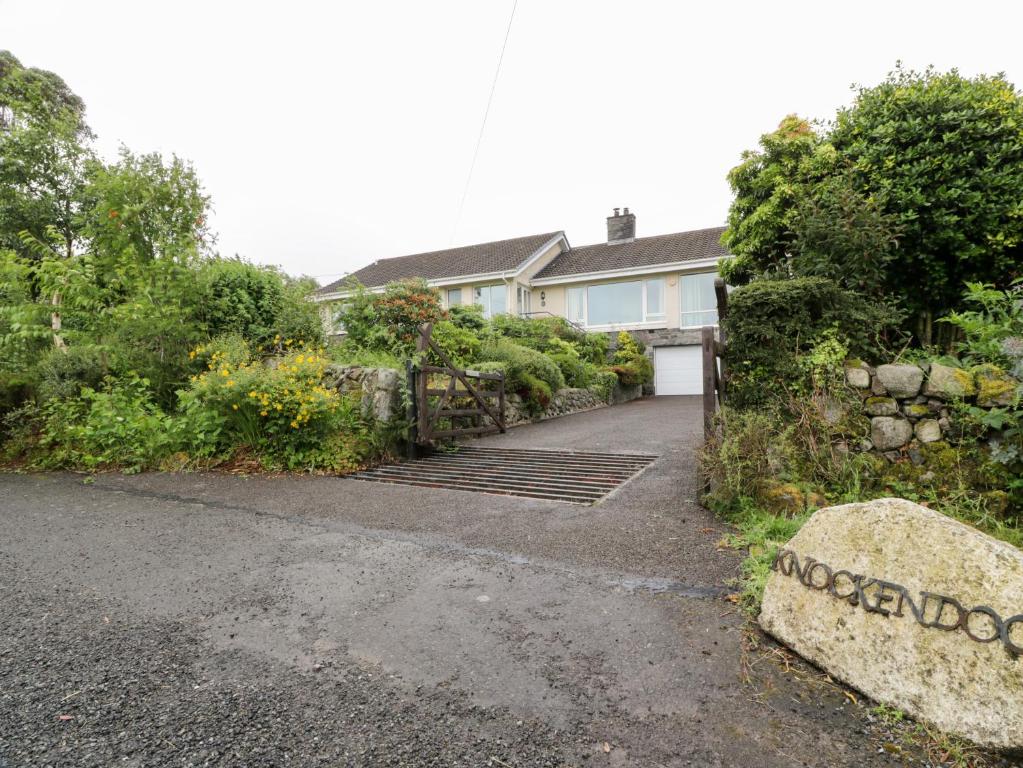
[(58, 340)]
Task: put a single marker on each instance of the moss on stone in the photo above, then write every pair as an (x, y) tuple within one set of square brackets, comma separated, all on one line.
[(784, 499), (994, 385), (916, 410)]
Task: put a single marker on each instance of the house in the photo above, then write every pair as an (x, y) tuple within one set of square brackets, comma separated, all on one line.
[(660, 288)]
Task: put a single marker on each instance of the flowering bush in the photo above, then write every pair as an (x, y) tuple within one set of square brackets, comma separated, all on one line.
[(278, 408), (390, 321)]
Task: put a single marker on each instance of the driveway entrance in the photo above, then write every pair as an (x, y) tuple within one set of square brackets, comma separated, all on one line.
[(205, 619)]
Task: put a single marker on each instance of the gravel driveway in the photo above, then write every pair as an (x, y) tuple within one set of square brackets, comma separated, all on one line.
[(199, 619)]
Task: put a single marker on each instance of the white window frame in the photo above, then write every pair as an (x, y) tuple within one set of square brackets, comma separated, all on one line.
[(447, 297), (523, 300), (658, 320), (682, 311), (477, 299)]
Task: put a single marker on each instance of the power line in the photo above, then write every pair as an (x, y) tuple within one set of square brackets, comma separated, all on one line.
[(483, 125)]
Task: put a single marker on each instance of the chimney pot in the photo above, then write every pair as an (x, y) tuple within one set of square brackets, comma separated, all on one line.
[(616, 211)]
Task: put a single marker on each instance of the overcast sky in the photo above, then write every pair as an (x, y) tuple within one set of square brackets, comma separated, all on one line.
[(332, 134)]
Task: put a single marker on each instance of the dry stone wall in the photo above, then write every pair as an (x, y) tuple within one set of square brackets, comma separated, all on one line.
[(382, 399), (910, 404)]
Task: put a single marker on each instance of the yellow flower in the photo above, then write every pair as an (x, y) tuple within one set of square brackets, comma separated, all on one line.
[(294, 425), (234, 406), (262, 413), (224, 372), (299, 359), (230, 382), (279, 406), (191, 355), (252, 394)]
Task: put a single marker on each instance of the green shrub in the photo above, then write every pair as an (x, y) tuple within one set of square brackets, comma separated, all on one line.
[(576, 371), (523, 359), (991, 326), (257, 302), (461, 345), (390, 321), (63, 373), (525, 370), (770, 323), (116, 426), (603, 384), (594, 347), (468, 316), (630, 364)]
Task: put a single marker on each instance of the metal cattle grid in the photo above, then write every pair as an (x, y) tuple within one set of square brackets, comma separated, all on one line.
[(577, 477)]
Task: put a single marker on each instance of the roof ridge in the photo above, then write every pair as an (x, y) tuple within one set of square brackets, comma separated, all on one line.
[(651, 237), (471, 245)]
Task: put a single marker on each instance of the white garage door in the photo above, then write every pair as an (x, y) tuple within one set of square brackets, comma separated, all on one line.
[(678, 370)]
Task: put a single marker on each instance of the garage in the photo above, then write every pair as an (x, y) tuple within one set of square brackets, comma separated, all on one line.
[(678, 370)]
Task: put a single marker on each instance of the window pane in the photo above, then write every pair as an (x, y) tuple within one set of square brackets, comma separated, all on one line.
[(699, 304), (454, 297), (576, 310), (615, 303), (498, 300), (655, 298)]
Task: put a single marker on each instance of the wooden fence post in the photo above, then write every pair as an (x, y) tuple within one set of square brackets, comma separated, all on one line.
[(710, 374), (411, 412), (500, 403), (422, 412)]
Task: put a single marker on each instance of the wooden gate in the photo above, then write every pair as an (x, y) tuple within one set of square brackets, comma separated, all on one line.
[(443, 396)]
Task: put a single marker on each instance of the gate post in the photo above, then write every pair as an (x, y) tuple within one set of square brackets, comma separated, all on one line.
[(411, 412), (710, 375)]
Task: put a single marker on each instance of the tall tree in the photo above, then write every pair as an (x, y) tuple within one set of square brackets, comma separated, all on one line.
[(768, 186), (915, 189), (44, 157), (943, 155)]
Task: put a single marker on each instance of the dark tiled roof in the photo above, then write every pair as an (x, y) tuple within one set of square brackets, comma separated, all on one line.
[(481, 259), (641, 252)]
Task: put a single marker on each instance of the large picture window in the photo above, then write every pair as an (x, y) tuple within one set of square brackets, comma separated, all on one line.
[(493, 298), (631, 302), (699, 304), (614, 303)]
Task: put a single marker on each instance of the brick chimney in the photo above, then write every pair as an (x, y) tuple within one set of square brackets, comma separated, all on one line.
[(621, 228)]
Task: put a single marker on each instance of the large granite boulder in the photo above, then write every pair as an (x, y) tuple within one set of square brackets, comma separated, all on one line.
[(911, 607), (901, 380)]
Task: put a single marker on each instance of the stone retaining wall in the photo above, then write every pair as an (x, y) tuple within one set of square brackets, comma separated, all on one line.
[(382, 399), (910, 404), (380, 388)]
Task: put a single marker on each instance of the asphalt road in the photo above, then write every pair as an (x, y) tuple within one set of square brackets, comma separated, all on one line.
[(201, 619)]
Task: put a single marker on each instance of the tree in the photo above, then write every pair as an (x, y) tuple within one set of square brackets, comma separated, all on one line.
[(768, 186), (943, 155), (44, 156), (43, 166), (914, 190)]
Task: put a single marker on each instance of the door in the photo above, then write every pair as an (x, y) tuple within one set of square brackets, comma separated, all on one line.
[(678, 370)]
